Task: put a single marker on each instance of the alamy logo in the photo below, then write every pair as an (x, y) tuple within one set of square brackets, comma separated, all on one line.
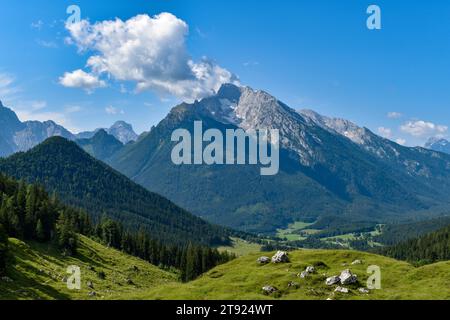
[(238, 147)]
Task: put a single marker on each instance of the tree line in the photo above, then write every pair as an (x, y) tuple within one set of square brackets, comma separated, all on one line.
[(28, 212), (426, 249)]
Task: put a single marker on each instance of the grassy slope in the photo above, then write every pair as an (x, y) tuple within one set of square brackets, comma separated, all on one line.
[(241, 247), (244, 278), (38, 270)]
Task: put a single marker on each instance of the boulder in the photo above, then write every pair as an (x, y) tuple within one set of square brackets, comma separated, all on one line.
[(310, 269), (263, 260), (280, 257), (363, 290), (332, 280), (90, 284), (304, 275), (269, 289), (347, 277), (341, 290), (357, 262), (92, 294)]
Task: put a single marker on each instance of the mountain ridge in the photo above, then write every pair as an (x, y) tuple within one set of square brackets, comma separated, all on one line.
[(82, 181), (323, 171)]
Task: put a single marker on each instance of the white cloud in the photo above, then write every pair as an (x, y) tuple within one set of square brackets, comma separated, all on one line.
[(47, 44), (385, 132), (420, 128), (394, 115), (37, 24), (250, 64), (113, 111), (81, 79), (401, 141), (72, 109), (8, 89), (149, 51)]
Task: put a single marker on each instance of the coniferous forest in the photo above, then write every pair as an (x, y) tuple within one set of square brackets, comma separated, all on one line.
[(27, 212), (426, 249)]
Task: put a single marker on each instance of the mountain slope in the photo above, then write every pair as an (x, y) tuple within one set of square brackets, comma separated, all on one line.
[(37, 272), (101, 146), (428, 248), (82, 181), (323, 172), (244, 278)]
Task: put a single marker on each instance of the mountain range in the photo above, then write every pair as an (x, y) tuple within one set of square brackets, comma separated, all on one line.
[(17, 136), (329, 167)]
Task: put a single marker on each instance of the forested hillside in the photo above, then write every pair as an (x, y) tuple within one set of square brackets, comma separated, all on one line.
[(28, 213), (82, 181), (426, 249)]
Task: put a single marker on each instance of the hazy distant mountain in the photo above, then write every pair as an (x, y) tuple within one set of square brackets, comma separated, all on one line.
[(438, 144), (121, 130), (20, 136), (101, 146), (328, 167)]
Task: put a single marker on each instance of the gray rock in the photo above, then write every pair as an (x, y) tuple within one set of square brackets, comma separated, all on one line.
[(341, 290), (304, 274), (357, 262), (363, 290), (269, 289), (263, 260), (310, 269), (92, 294), (347, 277), (280, 257), (90, 284), (332, 280)]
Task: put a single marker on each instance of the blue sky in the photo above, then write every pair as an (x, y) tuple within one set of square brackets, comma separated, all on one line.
[(310, 54)]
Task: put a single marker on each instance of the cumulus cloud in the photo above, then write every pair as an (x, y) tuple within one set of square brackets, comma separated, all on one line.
[(385, 132), (113, 111), (420, 128), (394, 115), (81, 79), (150, 52)]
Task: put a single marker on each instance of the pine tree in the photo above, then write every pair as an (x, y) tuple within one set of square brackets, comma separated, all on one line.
[(40, 232)]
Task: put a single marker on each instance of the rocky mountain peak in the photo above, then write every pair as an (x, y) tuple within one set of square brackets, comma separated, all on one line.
[(438, 144), (123, 131)]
